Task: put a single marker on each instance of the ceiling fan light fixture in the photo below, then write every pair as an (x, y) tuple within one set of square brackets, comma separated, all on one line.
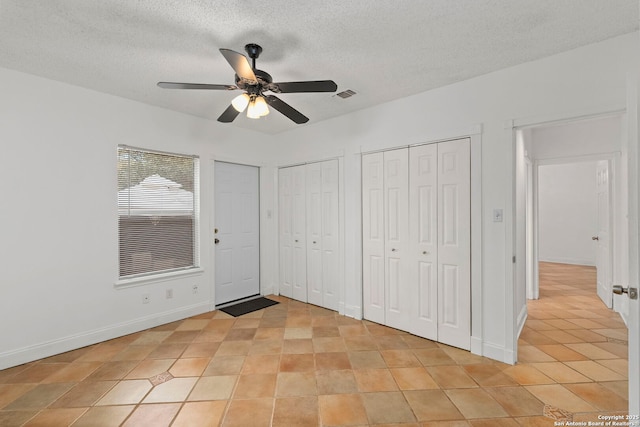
[(257, 108), (261, 105), (240, 102), (252, 111)]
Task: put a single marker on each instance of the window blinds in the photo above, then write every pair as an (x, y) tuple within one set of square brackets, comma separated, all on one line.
[(157, 211)]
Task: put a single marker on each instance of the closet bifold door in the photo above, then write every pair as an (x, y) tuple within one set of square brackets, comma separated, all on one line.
[(293, 250), (398, 292), (330, 235), (422, 256), (454, 243), (314, 233), (285, 207), (322, 234), (299, 233), (373, 237)]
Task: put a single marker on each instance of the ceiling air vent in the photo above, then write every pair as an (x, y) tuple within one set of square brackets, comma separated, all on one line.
[(346, 93)]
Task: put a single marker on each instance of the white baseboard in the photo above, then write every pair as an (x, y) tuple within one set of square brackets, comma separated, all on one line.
[(353, 311), (522, 318), (476, 346), (498, 353), (38, 351), (268, 290)]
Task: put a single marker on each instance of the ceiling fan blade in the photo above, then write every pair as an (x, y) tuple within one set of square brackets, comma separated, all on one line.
[(310, 86), (240, 65), (229, 115), (286, 109), (173, 85)]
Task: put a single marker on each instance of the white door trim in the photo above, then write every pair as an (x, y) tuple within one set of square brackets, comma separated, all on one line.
[(632, 130), (478, 345)]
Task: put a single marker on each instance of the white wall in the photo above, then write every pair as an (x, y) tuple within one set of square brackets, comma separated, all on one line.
[(586, 80), (578, 138), (567, 213), (58, 244)]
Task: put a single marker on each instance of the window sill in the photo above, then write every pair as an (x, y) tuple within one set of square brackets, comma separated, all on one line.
[(155, 278)]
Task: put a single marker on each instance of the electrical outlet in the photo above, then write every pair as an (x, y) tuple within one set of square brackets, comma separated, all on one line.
[(194, 288), (169, 293), (146, 298)]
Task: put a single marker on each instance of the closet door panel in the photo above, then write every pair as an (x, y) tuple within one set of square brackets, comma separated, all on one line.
[(396, 192), (330, 235), (285, 207), (454, 243), (423, 239), (373, 256), (314, 233), (299, 225)]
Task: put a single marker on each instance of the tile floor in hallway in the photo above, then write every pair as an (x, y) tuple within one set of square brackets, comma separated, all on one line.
[(295, 364)]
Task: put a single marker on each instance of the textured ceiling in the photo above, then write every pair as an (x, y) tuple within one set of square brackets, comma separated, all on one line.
[(382, 49)]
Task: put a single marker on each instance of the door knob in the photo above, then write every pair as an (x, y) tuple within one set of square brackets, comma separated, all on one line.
[(425, 253), (619, 290), (393, 249), (296, 240), (216, 241), (595, 238)]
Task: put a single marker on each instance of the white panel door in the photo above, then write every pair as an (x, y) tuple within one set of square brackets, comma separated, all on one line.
[(454, 243), (237, 217), (330, 235), (299, 231), (603, 251), (285, 225), (314, 233), (422, 256), (373, 237), (396, 201)]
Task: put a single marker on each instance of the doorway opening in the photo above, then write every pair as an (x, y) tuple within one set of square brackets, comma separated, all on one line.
[(571, 202), (571, 241)]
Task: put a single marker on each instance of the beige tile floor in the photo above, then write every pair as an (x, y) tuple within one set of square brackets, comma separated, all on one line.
[(295, 364)]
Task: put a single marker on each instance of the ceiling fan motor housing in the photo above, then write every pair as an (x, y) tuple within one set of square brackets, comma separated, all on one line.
[(264, 79)]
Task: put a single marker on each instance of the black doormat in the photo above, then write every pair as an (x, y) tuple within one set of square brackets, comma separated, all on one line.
[(248, 306)]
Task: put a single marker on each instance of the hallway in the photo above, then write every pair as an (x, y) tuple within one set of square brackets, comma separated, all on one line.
[(298, 364)]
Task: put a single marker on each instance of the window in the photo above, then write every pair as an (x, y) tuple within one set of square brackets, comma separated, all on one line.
[(157, 212)]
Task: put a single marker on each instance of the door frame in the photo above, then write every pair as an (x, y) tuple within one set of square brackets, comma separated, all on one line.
[(342, 308), (474, 133), (630, 133), (212, 223)]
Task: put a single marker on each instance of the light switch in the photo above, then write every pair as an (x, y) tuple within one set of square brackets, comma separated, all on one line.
[(497, 215)]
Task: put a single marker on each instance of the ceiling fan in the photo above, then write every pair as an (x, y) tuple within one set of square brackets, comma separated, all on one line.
[(255, 83)]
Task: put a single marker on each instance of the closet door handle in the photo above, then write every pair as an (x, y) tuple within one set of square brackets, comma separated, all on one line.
[(425, 253), (296, 240), (393, 249)]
